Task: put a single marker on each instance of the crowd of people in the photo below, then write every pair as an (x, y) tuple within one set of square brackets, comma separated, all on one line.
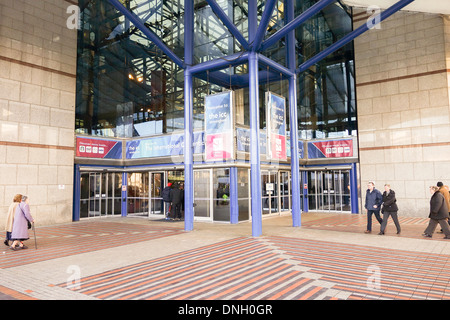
[(386, 203), (18, 221)]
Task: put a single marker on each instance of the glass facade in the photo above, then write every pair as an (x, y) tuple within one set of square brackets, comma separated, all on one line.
[(127, 87)]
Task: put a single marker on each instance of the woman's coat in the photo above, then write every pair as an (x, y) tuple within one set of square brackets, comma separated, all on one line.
[(438, 207), (20, 225)]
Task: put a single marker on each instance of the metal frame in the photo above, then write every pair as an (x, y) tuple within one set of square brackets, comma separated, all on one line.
[(251, 55)]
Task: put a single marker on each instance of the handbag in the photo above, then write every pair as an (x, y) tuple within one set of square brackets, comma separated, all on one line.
[(28, 221)]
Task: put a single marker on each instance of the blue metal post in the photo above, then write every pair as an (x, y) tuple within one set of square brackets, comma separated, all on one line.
[(255, 161), (354, 189), (293, 121), (188, 116), (76, 193), (352, 35), (124, 210), (234, 204)]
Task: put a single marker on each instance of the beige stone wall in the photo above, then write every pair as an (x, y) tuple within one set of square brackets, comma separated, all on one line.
[(37, 107), (402, 76)]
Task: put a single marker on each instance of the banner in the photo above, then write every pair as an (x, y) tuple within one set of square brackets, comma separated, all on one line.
[(330, 149), (219, 127), (276, 126), (162, 146), (98, 148)]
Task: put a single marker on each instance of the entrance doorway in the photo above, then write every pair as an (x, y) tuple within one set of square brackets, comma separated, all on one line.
[(269, 195), (100, 194), (329, 190)]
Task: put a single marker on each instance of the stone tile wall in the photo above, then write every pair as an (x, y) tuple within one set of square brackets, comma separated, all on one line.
[(37, 107), (402, 81)]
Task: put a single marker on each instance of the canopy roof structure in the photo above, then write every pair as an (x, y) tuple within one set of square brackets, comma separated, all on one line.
[(427, 6)]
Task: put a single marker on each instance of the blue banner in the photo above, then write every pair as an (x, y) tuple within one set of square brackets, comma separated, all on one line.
[(162, 146), (219, 143)]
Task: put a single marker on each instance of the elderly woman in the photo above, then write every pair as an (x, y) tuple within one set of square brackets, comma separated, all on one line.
[(10, 217), (438, 214), (20, 225)]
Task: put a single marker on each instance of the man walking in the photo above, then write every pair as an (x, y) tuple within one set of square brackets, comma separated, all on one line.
[(374, 199)]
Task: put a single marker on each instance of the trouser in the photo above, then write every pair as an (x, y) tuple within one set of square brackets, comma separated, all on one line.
[(369, 218), (176, 208), (394, 218), (167, 209), (432, 226)]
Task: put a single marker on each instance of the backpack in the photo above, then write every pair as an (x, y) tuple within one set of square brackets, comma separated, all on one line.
[(166, 194)]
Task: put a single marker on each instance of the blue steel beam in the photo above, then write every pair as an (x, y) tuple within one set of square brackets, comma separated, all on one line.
[(310, 12), (188, 116), (220, 63), (228, 23), (274, 65), (151, 36), (265, 19), (352, 35), (293, 120)]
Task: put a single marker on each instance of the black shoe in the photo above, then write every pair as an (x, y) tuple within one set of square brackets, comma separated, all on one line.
[(427, 235), (6, 242), (446, 237), (381, 233), (14, 248), (398, 232)]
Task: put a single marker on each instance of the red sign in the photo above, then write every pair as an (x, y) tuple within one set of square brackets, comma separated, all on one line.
[(219, 146), (97, 148), (278, 146), (330, 149)]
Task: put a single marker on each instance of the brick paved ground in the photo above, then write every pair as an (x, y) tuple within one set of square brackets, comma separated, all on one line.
[(329, 257)]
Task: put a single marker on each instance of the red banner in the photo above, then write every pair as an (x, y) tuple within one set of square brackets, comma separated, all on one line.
[(97, 148)]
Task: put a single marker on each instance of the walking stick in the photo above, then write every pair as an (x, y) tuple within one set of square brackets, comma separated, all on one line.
[(34, 232)]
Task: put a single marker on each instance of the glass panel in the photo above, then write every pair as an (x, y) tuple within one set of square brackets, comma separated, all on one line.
[(284, 190), (243, 191), (266, 186), (221, 191), (156, 196), (202, 193), (312, 200), (138, 193)]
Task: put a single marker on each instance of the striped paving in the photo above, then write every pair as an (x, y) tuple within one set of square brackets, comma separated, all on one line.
[(81, 237), (277, 268), (411, 227)]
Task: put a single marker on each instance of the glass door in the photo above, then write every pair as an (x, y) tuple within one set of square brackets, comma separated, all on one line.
[(138, 194), (202, 194), (95, 184), (157, 184), (285, 191), (269, 196)]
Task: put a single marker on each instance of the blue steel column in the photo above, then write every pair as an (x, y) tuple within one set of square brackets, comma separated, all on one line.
[(188, 116), (76, 193), (124, 209), (255, 161), (234, 204), (293, 121), (354, 189)]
